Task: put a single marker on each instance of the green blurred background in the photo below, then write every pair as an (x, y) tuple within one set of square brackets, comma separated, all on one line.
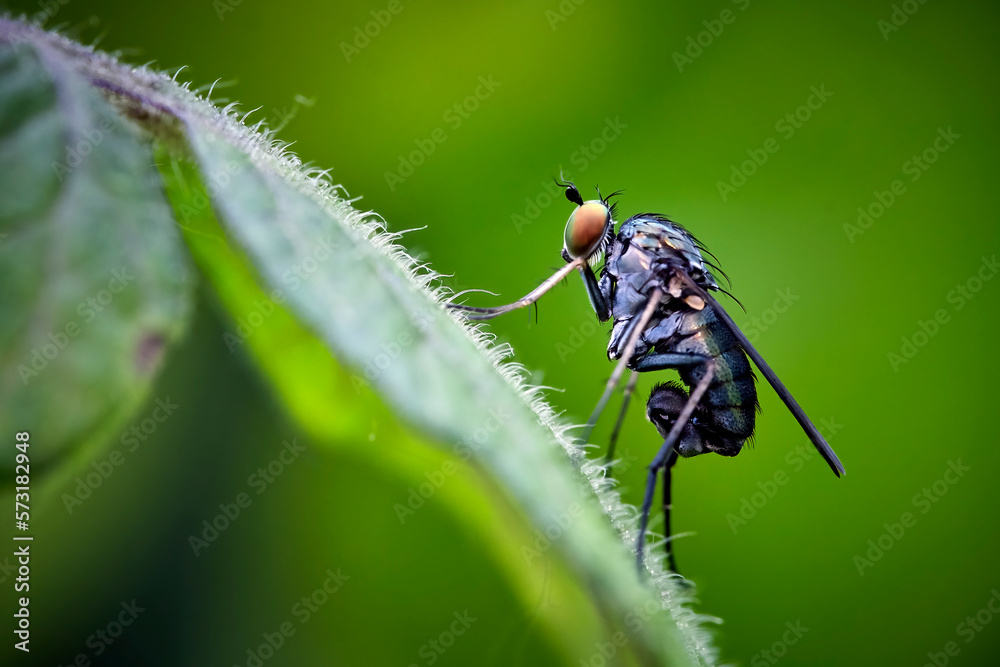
[(561, 75)]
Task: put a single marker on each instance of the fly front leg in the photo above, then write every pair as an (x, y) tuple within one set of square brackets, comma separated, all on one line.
[(598, 299)]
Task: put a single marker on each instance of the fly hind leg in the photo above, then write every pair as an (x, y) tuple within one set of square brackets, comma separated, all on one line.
[(677, 430)]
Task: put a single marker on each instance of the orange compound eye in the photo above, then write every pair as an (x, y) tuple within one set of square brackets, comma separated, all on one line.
[(586, 228)]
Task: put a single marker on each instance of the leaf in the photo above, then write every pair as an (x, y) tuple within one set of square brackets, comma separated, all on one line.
[(95, 280)]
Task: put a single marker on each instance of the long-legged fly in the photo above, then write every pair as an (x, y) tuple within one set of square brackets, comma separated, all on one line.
[(655, 285)]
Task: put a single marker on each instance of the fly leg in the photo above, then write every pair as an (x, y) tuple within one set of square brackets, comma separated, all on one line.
[(647, 314), (597, 299), (667, 451), (629, 390), (476, 314), (668, 469)]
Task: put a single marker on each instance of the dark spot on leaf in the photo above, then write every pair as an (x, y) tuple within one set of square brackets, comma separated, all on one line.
[(149, 352)]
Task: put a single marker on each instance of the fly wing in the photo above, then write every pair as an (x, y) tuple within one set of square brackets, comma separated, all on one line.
[(818, 441)]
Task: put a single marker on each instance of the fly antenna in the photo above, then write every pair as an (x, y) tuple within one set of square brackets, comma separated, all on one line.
[(572, 193)]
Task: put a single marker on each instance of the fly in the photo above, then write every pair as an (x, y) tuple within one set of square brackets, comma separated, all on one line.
[(655, 286)]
